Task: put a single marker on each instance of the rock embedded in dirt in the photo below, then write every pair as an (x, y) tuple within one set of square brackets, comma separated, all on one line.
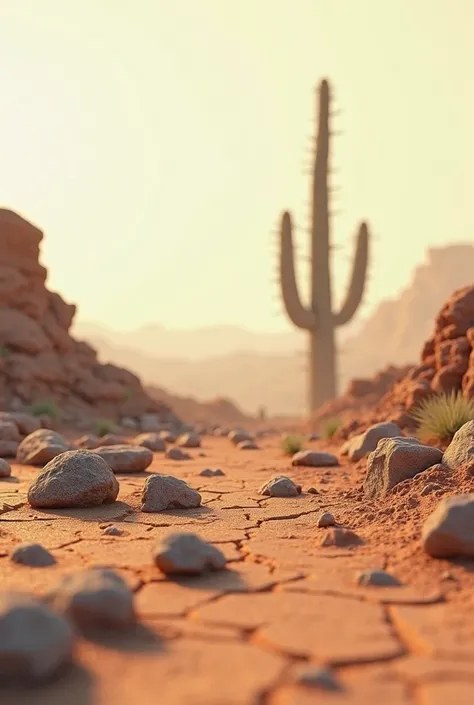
[(5, 469), (33, 555), (113, 531), (207, 472), (448, 532), (40, 447), (77, 478), (187, 554), (314, 459), (125, 458), (152, 441), (461, 449), (94, 597), (359, 446), (340, 538), (247, 445), (35, 643), (189, 440), (326, 519), (177, 454), (162, 492), (280, 486), (376, 578), (395, 460)]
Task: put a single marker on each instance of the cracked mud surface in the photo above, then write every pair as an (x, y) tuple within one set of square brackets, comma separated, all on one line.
[(241, 636)]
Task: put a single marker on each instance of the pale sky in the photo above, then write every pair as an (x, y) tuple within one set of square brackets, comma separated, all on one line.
[(157, 141)]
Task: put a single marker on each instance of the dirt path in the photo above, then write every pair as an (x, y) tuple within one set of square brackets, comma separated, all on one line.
[(246, 635)]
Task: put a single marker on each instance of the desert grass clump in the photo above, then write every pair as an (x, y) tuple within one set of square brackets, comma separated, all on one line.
[(330, 427), (104, 426), (47, 407), (291, 444), (441, 415)]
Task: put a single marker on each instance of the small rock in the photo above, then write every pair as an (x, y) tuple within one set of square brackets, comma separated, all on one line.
[(363, 444), (77, 478), (189, 440), (318, 678), (125, 458), (280, 486), (461, 449), (448, 532), (162, 492), (5, 469), (112, 439), (177, 454), (88, 441), (9, 431), (35, 643), (8, 449), (33, 555), (207, 472), (239, 436), (167, 436), (113, 531), (313, 490), (247, 445), (95, 597), (314, 459), (150, 423), (376, 578), (40, 447), (326, 519), (152, 441), (340, 538), (394, 460), (187, 554)]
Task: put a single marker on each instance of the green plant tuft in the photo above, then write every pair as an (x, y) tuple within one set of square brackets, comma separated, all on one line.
[(291, 444), (104, 426), (441, 415), (330, 427), (46, 407)]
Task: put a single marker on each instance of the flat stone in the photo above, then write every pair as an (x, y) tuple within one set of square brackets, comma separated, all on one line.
[(395, 460), (189, 440), (376, 578), (177, 454), (40, 447), (187, 554), (35, 643), (280, 486), (77, 478), (448, 532), (162, 492), (5, 469), (363, 444), (314, 459), (95, 597), (33, 555), (125, 458), (326, 519), (152, 441), (461, 449)]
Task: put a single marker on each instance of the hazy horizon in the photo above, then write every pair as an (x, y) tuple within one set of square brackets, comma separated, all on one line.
[(157, 146)]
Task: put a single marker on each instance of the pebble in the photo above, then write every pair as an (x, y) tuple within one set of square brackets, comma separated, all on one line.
[(207, 472), (35, 643), (114, 531), (125, 458), (318, 678), (326, 519), (376, 578), (33, 555), (162, 492), (314, 459), (313, 490), (187, 554), (95, 597), (280, 486), (152, 441), (448, 532), (177, 454), (5, 469)]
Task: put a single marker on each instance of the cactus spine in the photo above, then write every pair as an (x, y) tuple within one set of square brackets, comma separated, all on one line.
[(319, 319)]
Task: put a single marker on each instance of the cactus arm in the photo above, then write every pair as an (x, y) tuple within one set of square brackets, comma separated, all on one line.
[(358, 280), (298, 314)]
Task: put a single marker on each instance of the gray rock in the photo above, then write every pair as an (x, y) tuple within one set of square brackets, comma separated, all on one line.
[(187, 554), (461, 449), (280, 486), (239, 436), (77, 478), (177, 454), (189, 440), (5, 469), (363, 444), (33, 555), (162, 492), (317, 678), (207, 472), (35, 643), (95, 597), (449, 530), (326, 519), (152, 441), (40, 447), (125, 458), (314, 459), (395, 460), (247, 445), (376, 578)]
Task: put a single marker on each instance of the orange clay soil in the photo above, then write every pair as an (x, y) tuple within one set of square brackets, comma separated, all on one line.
[(241, 636)]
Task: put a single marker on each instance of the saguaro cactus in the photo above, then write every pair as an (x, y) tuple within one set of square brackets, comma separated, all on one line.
[(319, 318)]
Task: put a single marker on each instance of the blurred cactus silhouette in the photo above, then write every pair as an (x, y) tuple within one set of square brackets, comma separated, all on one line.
[(319, 318)]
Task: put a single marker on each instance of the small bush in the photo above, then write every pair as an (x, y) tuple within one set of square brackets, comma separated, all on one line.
[(441, 415), (46, 408), (104, 426), (291, 444), (330, 427)]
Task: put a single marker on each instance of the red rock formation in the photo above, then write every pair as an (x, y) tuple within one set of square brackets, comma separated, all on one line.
[(39, 360)]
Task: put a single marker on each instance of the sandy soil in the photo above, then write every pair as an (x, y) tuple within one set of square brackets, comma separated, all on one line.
[(285, 603)]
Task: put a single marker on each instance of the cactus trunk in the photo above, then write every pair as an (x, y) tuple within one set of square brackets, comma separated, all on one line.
[(318, 319)]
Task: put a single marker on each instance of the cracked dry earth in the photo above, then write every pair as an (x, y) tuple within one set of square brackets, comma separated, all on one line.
[(284, 604)]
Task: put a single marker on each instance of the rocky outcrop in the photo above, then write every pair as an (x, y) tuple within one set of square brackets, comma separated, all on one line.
[(39, 360)]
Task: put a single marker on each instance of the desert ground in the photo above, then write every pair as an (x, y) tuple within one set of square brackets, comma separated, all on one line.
[(287, 621)]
